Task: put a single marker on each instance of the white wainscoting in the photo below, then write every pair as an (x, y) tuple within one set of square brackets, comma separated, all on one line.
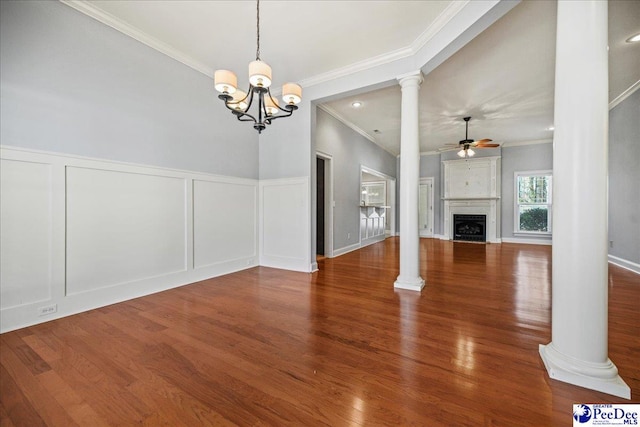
[(78, 233), (216, 205), (285, 224), (26, 233)]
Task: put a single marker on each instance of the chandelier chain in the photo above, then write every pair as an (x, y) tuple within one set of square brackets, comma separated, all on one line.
[(258, 30)]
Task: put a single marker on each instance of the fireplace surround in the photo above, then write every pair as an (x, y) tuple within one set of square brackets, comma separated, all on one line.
[(472, 187)]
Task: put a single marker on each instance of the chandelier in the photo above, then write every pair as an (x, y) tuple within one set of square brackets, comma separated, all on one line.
[(240, 102)]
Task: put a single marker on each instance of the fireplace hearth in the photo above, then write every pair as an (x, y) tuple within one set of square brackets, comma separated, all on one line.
[(470, 228)]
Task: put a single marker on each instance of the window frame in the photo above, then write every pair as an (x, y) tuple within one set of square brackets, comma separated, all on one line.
[(517, 204)]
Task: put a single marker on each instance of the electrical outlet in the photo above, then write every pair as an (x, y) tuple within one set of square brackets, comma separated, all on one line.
[(610, 243), (49, 309), (348, 236)]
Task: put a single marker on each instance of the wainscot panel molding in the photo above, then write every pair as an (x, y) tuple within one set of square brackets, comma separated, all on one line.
[(285, 223), (79, 233)]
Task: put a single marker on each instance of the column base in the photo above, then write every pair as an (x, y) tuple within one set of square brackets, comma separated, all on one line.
[(411, 285), (595, 376)]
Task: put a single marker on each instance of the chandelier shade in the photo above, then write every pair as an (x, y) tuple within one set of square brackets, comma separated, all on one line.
[(259, 74), (260, 79), (225, 81)]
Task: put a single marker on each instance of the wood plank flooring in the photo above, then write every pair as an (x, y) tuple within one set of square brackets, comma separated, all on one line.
[(338, 347)]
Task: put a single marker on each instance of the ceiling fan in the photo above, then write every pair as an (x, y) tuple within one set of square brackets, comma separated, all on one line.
[(466, 144)]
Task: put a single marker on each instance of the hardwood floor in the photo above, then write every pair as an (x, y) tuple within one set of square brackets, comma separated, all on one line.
[(338, 347)]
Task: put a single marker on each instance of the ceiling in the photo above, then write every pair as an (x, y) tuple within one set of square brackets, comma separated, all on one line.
[(504, 78)]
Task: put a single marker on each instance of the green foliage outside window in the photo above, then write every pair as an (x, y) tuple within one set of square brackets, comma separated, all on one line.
[(534, 219), (533, 199)]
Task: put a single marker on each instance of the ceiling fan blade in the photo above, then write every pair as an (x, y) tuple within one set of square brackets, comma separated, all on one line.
[(482, 141), (443, 149), (487, 145)]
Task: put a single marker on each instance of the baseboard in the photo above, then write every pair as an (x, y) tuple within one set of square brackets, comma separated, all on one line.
[(346, 249), (526, 241), (628, 265)]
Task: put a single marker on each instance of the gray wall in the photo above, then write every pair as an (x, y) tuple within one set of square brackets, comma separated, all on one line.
[(624, 179), (72, 85), (521, 159), (349, 150)]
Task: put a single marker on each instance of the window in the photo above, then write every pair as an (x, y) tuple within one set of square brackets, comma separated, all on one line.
[(533, 202)]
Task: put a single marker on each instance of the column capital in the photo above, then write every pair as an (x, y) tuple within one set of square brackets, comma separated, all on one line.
[(414, 77)]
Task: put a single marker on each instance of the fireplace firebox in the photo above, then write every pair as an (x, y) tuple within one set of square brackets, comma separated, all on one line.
[(470, 228)]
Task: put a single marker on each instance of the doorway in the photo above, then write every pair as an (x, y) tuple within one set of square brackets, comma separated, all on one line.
[(377, 207), (320, 206), (425, 207), (324, 205)]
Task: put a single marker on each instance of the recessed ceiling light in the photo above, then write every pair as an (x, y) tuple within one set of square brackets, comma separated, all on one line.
[(550, 128), (634, 39), (356, 104)]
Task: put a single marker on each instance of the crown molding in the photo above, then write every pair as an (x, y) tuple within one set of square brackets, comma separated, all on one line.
[(624, 95), (429, 153), (137, 34), (333, 113), (521, 143), (436, 26)]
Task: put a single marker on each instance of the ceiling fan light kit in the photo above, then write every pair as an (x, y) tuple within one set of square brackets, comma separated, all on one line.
[(240, 102), (467, 143)]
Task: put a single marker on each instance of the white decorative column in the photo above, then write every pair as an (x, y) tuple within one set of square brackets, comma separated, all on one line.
[(409, 277), (578, 352)]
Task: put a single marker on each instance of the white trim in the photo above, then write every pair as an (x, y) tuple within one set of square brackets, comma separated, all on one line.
[(128, 287), (516, 212), (346, 249), (328, 203), (526, 241), (522, 143), (624, 95), (430, 203), (135, 33), (409, 286), (120, 165), (436, 26), (428, 153), (623, 263), (314, 267), (601, 376), (296, 255), (333, 113)]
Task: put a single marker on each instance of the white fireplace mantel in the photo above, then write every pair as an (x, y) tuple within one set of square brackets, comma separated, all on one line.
[(472, 187)]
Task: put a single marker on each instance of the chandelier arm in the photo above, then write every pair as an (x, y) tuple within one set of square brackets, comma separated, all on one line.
[(279, 116), (245, 117), (284, 110)]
